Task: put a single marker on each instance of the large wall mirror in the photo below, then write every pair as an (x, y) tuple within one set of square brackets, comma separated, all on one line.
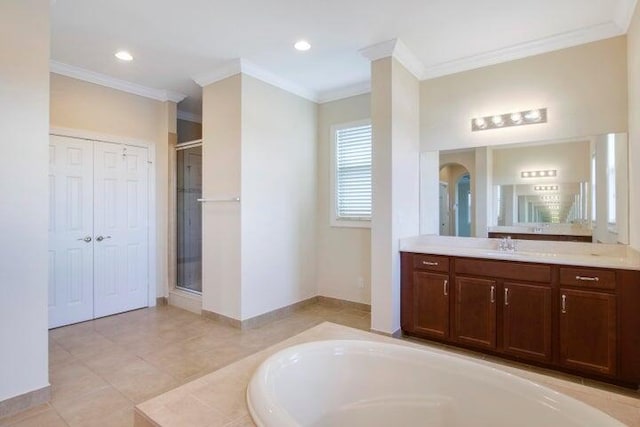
[(574, 189)]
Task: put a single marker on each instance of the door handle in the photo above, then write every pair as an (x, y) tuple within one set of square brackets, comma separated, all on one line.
[(101, 238), (86, 239)]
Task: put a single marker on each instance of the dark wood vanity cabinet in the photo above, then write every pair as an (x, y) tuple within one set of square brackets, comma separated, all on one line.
[(526, 321), (475, 312), (576, 319)]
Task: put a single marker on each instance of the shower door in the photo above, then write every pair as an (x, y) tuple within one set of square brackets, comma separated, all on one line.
[(189, 218)]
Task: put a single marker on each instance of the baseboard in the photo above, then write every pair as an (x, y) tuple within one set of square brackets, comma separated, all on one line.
[(262, 319), (21, 403), (162, 301), (396, 334), (186, 301), (229, 321), (335, 302)]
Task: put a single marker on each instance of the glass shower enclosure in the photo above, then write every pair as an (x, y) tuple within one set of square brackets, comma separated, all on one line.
[(189, 218)]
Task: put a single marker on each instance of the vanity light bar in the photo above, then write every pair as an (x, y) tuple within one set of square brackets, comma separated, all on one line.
[(545, 188), (528, 117), (551, 198), (539, 174)]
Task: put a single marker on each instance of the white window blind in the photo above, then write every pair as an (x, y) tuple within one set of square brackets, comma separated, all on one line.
[(353, 172)]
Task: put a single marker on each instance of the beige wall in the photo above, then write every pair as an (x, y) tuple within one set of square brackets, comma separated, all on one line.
[(189, 131), (24, 102), (583, 87), (633, 49), (86, 106), (279, 175), (395, 108), (343, 253), (221, 177)]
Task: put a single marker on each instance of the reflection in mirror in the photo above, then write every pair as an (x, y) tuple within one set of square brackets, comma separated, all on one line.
[(575, 189)]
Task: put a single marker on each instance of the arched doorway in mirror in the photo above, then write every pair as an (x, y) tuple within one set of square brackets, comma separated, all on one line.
[(455, 200)]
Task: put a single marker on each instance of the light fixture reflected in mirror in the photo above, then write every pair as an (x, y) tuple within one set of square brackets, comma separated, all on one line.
[(545, 188), (519, 118), (550, 173)]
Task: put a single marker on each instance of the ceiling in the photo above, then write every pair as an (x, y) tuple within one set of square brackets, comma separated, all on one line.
[(174, 41)]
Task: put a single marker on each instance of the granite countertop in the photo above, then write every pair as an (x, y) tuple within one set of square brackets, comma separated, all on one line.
[(566, 253)]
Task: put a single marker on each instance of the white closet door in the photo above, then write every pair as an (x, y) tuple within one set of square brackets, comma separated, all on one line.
[(121, 228), (70, 231)]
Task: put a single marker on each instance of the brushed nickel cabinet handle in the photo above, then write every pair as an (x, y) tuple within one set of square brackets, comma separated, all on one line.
[(429, 263), (564, 304), (588, 279), (86, 239), (446, 287), (493, 294), (506, 296)]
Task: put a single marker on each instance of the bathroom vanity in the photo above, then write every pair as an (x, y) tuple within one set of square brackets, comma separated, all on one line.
[(573, 307)]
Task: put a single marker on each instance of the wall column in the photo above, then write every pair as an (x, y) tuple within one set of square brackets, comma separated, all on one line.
[(395, 105)]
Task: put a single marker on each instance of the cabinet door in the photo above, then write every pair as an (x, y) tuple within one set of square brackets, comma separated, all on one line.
[(526, 327), (475, 312), (431, 304), (588, 331)]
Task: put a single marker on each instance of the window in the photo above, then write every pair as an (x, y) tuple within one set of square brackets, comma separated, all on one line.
[(351, 160), (611, 179)]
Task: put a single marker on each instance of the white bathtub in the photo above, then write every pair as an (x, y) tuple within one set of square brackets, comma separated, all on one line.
[(362, 383)]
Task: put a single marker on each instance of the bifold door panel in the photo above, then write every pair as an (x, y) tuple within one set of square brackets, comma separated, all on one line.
[(99, 205)]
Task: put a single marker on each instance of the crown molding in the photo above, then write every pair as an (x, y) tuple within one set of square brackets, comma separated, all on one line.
[(113, 83), (397, 49), (190, 117), (344, 92), (624, 13), (519, 51), (241, 65)]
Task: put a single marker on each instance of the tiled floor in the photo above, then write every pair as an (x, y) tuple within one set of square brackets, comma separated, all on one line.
[(100, 369)]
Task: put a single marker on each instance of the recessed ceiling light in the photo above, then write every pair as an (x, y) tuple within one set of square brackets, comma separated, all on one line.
[(124, 55), (302, 45)]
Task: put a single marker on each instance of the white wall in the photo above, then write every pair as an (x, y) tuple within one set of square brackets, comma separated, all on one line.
[(278, 163), (633, 50), (583, 87), (572, 160), (343, 253), (77, 104), (24, 102), (395, 106)]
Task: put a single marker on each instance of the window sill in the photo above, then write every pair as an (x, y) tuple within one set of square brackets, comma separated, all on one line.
[(351, 223)]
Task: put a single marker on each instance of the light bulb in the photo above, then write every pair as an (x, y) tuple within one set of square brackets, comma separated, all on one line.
[(123, 55), (533, 115), (497, 120), (516, 118), (302, 45), (480, 123)]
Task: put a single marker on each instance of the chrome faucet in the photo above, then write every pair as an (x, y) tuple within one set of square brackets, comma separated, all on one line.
[(507, 244)]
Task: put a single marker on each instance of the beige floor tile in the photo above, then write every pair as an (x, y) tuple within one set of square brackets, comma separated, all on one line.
[(6, 421), (79, 329), (90, 407), (244, 421), (139, 380), (87, 345), (73, 379), (190, 412), (58, 355), (48, 418)]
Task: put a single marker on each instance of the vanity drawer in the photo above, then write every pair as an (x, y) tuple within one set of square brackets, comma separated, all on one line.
[(431, 262), (588, 277), (504, 269)]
